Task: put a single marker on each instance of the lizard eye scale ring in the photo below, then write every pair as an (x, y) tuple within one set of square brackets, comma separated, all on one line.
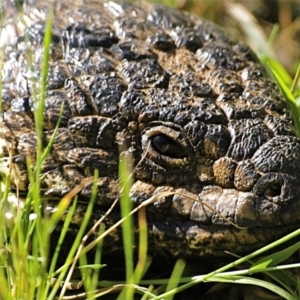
[(165, 145)]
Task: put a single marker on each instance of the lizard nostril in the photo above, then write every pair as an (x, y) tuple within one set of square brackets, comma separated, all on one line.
[(277, 187), (272, 191)]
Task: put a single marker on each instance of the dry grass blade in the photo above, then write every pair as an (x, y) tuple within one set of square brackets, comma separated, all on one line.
[(255, 36)]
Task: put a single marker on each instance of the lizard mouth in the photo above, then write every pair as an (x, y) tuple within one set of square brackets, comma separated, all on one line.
[(217, 219), (200, 240), (273, 201)]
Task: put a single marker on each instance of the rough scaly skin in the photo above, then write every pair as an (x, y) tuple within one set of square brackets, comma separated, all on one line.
[(191, 105)]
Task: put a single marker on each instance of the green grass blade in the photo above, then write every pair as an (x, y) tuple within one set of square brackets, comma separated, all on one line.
[(40, 100), (237, 262), (289, 98), (47, 149), (285, 279), (254, 281), (273, 35), (279, 69), (56, 253), (143, 260), (295, 82), (126, 207), (275, 258), (175, 278), (78, 240), (91, 281)]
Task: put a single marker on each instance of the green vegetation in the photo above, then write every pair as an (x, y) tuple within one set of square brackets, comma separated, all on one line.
[(27, 272)]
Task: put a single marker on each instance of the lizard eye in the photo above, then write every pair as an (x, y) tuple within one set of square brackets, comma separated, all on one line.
[(166, 146)]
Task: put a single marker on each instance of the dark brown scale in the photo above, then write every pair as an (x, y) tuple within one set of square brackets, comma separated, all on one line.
[(186, 104), (262, 93), (208, 32), (235, 107), (18, 120), (167, 18), (134, 28), (132, 51), (54, 102), (78, 101), (27, 144), (57, 76), (92, 131), (161, 42), (208, 112), (247, 136), (278, 125), (224, 81), (132, 103), (60, 180), (188, 85), (144, 74), (88, 60), (245, 175), (105, 92), (195, 130), (187, 38), (215, 55), (63, 140), (216, 141), (79, 36), (90, 159), (272, 156)]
